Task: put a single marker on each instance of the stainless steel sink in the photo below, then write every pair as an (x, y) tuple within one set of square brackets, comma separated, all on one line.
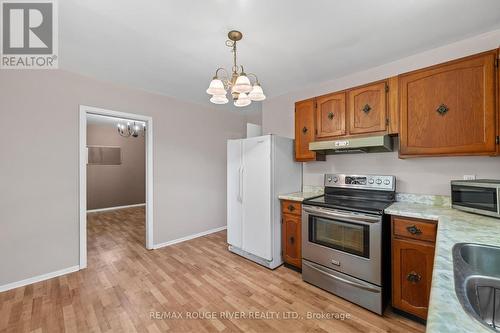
[(483, 258), (476, 269)]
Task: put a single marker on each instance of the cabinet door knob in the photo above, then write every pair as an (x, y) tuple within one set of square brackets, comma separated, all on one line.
[(442, 109), (366, 108), (413, 277), (304, 130), (292, 239), (414, 230), (291, 208), (330, 115)]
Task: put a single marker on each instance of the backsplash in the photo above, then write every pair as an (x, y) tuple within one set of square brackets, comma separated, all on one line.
[(427, 175), (313, 189), (425, 199)]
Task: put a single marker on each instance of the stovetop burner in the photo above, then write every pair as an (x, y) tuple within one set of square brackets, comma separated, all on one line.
[(364, 205), (359, 193)]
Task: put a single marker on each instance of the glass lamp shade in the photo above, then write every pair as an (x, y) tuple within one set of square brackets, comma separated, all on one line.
[(216, 87), (242, 100), (242, 84), (219, 99), (257, 94)]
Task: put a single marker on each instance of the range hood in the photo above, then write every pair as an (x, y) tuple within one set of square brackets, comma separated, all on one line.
[(369, 144)]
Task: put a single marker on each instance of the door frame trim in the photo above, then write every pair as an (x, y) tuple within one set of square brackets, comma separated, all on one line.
[(84, 111)]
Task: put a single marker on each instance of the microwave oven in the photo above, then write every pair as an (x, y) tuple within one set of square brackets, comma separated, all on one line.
[(479, 196)]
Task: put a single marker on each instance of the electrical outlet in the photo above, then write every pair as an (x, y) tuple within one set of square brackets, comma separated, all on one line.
[(469, 177)]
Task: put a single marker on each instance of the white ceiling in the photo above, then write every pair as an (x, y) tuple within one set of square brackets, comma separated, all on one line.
[(173, 47)]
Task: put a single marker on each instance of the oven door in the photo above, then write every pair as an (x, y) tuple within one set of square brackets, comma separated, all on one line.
[(347, 242)]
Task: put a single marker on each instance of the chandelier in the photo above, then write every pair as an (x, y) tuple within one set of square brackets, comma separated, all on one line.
[(133, 130), (242, 90)]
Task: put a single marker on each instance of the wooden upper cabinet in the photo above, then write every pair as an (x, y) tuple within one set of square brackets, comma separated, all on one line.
[(330, 115), (498, 102), (393, 105), (304, 130), (449, 109), (367, 109)]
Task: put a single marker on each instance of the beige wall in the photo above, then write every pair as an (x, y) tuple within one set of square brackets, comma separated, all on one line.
[(422, 175), (116, 185), (39, 165), (254, 115)]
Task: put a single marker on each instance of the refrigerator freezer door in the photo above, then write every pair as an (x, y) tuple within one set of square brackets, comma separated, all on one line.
[(234, 183), (256, 197)]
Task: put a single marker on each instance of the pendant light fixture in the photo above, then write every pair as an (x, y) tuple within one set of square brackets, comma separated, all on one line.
[(131, 129), (243, 92)]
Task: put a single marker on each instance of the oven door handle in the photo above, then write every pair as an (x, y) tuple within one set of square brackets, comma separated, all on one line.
[(338, 278), (350, 217)]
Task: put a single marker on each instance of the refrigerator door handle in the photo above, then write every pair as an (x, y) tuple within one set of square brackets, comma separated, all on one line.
[(241, 184)]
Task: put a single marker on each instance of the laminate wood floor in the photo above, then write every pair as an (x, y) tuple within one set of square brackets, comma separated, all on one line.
[(127, 288)]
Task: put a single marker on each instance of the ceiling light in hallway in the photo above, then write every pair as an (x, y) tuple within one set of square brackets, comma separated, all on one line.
[(131, 129)]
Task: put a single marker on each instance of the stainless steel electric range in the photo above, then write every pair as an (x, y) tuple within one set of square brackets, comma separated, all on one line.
[(345, 238)]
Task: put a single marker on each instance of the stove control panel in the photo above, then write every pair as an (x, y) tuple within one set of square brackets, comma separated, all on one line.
[(375, 182)]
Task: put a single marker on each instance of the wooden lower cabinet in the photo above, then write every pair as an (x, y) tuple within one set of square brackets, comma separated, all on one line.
[(291, 234), (412, 274), (412, 264)]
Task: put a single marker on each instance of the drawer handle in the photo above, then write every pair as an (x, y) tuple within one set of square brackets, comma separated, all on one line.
[(442, 109), (366, 108), (414, 230), (304, 130), (291, 208), (413, 277), (292, 240), (330, 115)]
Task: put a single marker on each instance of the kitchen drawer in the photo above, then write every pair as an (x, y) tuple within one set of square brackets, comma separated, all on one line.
[(424, 230), (291, 207), (357, 291)]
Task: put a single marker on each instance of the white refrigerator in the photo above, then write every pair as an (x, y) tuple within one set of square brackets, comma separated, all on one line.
[(258, 170)]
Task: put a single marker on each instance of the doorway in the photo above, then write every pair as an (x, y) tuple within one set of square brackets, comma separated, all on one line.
[(111, 156)]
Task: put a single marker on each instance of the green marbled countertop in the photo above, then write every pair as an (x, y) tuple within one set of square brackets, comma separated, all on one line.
[(308, 191), (445, 312), (299, 196)]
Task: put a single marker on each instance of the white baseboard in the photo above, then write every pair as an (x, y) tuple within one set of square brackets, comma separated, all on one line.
[(38, 278), (183, 239), (114, 208)]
